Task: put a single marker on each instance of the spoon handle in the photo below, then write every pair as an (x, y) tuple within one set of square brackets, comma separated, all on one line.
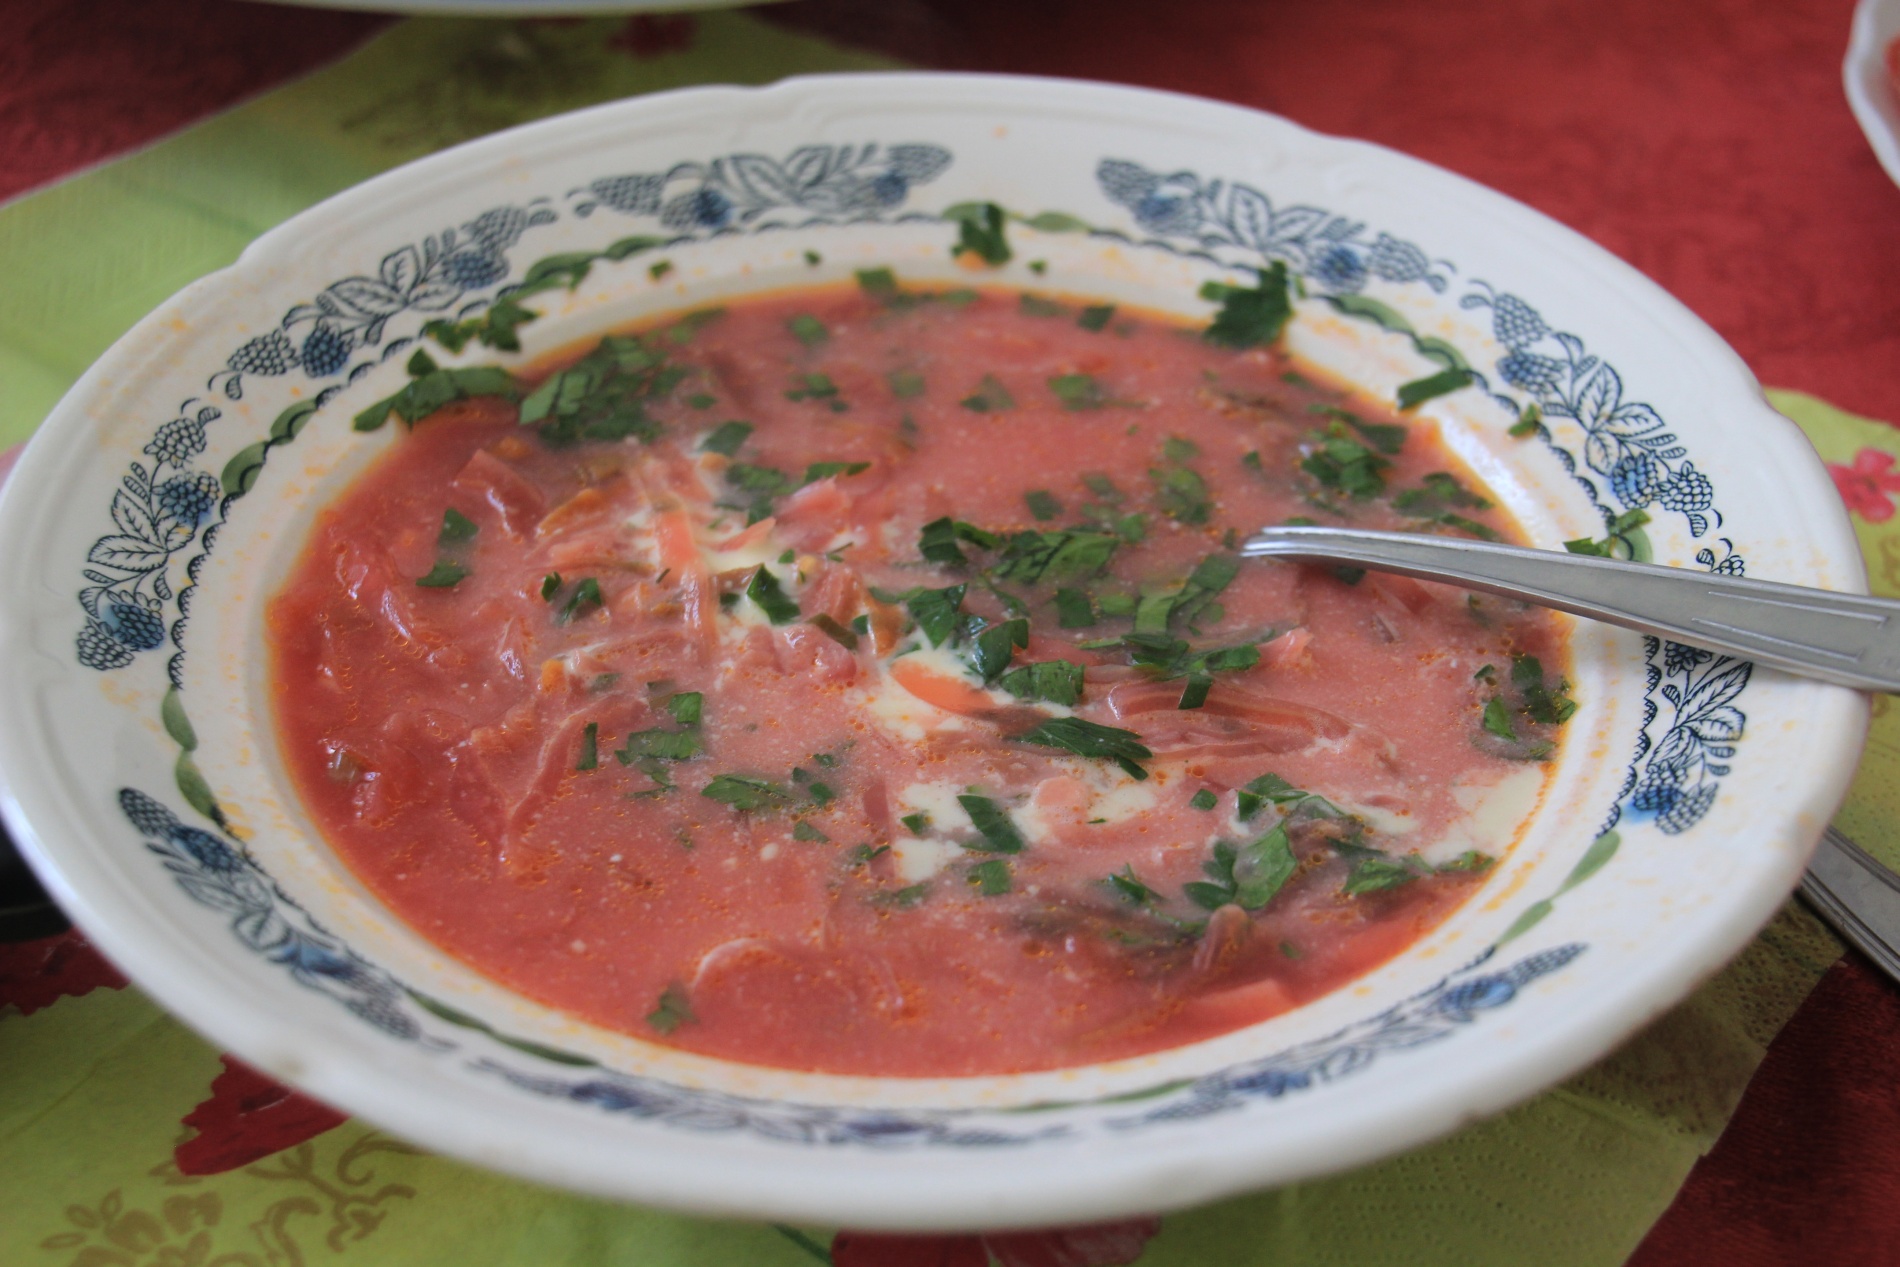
[(1848, 639)]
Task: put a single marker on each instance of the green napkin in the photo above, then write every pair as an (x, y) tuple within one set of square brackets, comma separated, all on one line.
[(95, 1086)]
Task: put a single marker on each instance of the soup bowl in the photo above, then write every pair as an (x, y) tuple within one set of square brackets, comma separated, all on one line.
[(151, 519)]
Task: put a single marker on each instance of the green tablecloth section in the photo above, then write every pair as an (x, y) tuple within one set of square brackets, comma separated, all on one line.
[(93, 1089)]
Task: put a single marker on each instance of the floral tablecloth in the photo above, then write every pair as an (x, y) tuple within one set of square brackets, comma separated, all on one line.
[(124, 1139)]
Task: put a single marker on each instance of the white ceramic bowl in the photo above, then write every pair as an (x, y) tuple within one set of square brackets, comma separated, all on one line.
[(1869, 84), (151, 516)]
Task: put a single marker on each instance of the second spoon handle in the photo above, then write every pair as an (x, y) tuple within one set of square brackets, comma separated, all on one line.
[(1848, 639)]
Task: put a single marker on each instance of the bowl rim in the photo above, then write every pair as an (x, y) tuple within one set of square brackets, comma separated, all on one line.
[(1196, 1168)]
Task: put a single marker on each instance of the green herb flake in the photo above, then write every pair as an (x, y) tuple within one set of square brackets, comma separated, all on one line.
[(1344, 465), (659, 269), (727, 437), (659, 745), (905, 384), (590, 748), (1181, 494), (1470, 862), (1095, 317), (1613, 545), (550, 586), (1091, 739), (1129, 886), (990, 397), (829, 626), (1377, 874), (1042, 504), (1420, 390), (878, 283), (935, 611), (444, 575), (990, 653), (937, 543), (764, 590), (808, 330), (1078, 392), (826, 470), (745, 794), (916, 824), (1178, 449), (980, 232), (821, 793), (813, 258), (1051, 681), (991, 878), (686, 707), (1542, 702), (585, 598), (1497, 719), (673, 1010), (1204, 800), (700, 400), (1528, 423), (1250, 316), (905, 898), (456, 527), (992, 823), (802, 830), (1073, 609)]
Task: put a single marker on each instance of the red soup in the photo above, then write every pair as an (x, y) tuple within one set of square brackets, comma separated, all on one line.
[(863, 681)]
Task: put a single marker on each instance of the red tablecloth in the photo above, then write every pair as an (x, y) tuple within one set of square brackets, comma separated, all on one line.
[(1706, 141)]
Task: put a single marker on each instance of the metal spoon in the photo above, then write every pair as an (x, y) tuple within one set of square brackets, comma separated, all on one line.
[(1848, 639)]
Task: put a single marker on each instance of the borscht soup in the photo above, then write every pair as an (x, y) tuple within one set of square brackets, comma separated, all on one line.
[(863, 679)]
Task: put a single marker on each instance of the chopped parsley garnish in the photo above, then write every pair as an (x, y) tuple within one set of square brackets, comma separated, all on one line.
[(1196, 599), (808, 330), (1181, 493), (828, 625), (590, 748), (1079, 391), (1608, 547), (1420, 390), (1542, 702), (700, 400), (1271, 789), (1036, 306), (659, 269), (1042, 504), (1091, 739), (727, 437), (1129, 885), (603, 396), (1344, 465), (980, 232), (456, 527), (494, 328), (686, 707), (746, 794), (989, 397), (443, 575), (990, 878), (585, 598), (905, 898), (992, 823), (764, 590), (433, 389), (817, 387), (1032, 557), (1073, 609), (813, 258), (1095, 317), (905, 384), (1377, 872), (821, 793), (1497, 719), (916, 824), (673, 1010), (1054, 681), (1249, 876), (1433, 502), (1167, 657), (1250, 316), (990, 654), (937, 542), (660, 745), (825, 470), (550, 586), (878, 283), (935, 611), (802, 830), (1204, 800), (1528, 423), (1470, 861)]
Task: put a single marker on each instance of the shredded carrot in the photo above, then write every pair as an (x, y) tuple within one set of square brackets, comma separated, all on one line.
[(940, 689)]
